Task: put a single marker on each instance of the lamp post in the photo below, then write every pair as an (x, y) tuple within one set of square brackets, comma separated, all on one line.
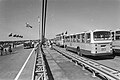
[(39, 28)]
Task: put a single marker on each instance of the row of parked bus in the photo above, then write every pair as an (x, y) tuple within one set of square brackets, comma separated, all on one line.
[(92, 42)]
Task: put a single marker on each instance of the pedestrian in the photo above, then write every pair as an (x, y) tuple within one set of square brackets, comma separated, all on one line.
[(1, 49), (13, 45), (10, 49), (51, 45), (5, 51)]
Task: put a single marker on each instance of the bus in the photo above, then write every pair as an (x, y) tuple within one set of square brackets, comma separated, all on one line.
[(59, 40), (93, 43), (116, 40)]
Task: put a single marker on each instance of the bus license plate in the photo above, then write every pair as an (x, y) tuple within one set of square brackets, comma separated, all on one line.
[(103, 49)]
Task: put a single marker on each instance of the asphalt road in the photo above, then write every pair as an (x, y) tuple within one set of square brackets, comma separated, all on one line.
[(11, 64)]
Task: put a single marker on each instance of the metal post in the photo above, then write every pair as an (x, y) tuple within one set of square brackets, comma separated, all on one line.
[(76, 63), (39, 27), (83, 67), (45, 18), (42, 21), (44, 9), (93, 74)]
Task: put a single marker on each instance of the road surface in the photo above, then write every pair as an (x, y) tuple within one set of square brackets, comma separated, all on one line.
[(11, 64)]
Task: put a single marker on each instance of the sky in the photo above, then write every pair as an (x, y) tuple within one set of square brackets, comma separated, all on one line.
[(73, 16)]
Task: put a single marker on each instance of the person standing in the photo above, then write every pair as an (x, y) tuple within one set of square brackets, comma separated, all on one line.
[(5, 51), (51, 45), (10, 49)]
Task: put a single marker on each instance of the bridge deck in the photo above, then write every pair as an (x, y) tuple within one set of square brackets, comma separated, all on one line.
[(62, 69)]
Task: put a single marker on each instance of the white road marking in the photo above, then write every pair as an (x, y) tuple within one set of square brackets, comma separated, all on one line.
[(18, 75)]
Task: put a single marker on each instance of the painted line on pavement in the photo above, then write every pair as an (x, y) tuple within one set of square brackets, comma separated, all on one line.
[(18, 75)]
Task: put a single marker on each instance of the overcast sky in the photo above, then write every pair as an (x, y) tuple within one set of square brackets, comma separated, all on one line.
[(73, 16)]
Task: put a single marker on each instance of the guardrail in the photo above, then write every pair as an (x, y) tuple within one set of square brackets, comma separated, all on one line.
[(39, 70), (96, 68)]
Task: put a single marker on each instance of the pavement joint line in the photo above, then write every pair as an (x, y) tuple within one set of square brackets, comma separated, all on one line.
[(18, 75)]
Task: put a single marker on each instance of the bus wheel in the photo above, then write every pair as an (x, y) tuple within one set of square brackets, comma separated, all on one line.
[(79, 52), (66, 48), (113, 51)]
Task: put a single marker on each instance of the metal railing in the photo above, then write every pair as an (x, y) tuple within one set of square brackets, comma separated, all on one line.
[(96, 68), (39, 70)]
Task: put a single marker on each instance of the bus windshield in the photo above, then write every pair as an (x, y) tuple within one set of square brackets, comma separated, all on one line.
[(117, 32), (102, 35), (117, 36)]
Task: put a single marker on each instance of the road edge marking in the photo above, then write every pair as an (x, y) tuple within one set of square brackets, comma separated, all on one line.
[(18, 75)]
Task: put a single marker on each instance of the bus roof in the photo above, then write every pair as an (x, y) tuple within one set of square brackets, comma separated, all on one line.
[(71, 34), (88, 31), (116, 30), (92, 31), (100, 30)]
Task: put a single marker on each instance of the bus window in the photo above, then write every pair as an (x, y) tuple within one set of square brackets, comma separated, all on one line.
[(63, 37), (70, 38), (88, 38), (78, 37), (74, 37), (83, 37), (117, 32), (117, 37), (102, 35), (67, 38)]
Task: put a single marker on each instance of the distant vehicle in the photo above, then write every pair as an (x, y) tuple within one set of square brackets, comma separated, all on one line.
[(28, 44), (59, 40), (116, 40), (93, 43)]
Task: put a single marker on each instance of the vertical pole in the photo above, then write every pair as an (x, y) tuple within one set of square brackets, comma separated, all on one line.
[(39, 34), (44, 9), (39, 28), (42, 21), (45, 18)]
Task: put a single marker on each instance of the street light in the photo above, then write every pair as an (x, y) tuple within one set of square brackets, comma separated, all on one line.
[(39, 27)]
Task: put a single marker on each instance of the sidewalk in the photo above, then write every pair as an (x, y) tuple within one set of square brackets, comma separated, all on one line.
[(62, 69), (57, 72)]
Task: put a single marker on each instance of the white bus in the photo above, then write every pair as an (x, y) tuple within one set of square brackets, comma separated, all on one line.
[(116, 40), (59, 40), (94, 43)]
